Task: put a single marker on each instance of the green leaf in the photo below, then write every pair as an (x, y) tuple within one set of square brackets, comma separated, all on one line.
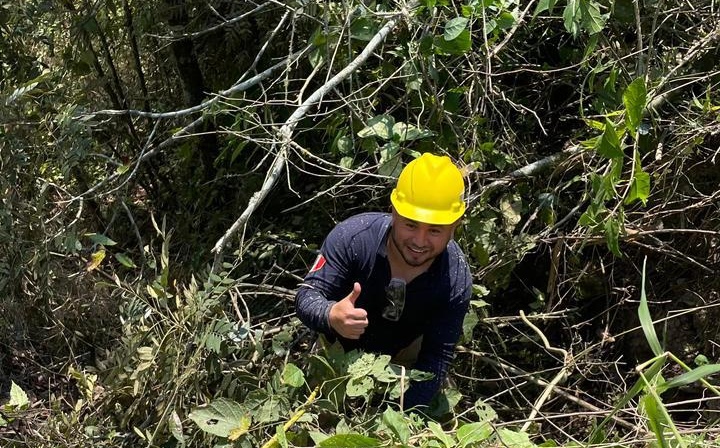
[(441, 435), (359, 387), (454, 27), (515, 439), (609, 143), (484, 412), (18, 397), (125, 260), (656, 418), (645, 319), (639, 187), (99, 238), (571, 16), (612, 235), (396, 422), (378, 126), (221, 417), (390, 160), (593, 22), (472, 433), (349, 441), (460, 45), (634, 98), (292, 375), (544, 5), (408, 132), (471, 319), (689, 377)]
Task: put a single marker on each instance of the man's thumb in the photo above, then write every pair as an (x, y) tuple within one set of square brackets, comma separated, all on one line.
[(354, 294)]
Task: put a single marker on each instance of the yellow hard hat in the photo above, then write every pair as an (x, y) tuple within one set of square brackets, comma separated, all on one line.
[(430, 190)]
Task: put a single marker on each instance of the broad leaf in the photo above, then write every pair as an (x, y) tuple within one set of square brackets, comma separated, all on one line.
[(460, 45), (18, 397), (359, 387), (398, 425), (221, 417), (454, 27), (378, 126), (292, 375), (609, 143), (639, 187), (472, 433), (99, 238), (441, 435), (407, 132), (484, 412), (634, 98), (515, 439)]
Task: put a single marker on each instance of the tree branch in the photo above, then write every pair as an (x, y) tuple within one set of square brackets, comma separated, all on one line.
[(285, 133)]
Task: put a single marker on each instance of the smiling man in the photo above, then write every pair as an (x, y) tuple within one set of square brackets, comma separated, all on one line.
[(396, 283)]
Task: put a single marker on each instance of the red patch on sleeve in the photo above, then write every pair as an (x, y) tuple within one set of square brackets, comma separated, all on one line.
[(319, 263)]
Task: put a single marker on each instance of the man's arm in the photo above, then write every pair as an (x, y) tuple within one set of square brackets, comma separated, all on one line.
[(325, 300)]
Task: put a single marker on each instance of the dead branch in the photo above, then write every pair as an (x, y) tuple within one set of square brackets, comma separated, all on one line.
[(285, 133)]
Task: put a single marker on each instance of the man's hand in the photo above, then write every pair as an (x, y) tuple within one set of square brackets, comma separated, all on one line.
[(348, 321)]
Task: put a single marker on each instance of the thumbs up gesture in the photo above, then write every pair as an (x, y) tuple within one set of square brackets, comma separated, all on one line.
[(348, 321)]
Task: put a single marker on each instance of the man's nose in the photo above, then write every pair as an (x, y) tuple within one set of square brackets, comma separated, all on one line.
[(420, 237)]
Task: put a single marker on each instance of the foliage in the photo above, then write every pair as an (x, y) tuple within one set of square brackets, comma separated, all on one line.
[(136, 137)]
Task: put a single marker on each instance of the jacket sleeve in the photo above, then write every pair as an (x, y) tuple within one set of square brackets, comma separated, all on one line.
[(327, 282), (438, 346)]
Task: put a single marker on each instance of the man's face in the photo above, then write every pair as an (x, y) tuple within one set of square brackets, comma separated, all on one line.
[(419, 243)]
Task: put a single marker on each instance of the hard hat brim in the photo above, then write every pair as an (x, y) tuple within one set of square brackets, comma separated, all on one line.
[(424, 215)]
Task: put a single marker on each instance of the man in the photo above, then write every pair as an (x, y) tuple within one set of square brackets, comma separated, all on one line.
[(384, 282)]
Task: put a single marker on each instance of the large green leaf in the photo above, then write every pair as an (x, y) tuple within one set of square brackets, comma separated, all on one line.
[(634, 98), (221, 417)]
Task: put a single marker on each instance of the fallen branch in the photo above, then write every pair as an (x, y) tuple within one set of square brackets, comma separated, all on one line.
[(286, 130)]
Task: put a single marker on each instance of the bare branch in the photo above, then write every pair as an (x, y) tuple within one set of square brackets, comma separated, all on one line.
[(286, 130)]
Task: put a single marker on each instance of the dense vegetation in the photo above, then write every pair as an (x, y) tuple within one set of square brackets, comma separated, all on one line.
[(169, 168)]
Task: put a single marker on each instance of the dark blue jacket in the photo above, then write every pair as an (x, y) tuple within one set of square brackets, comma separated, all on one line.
[(435, 306)]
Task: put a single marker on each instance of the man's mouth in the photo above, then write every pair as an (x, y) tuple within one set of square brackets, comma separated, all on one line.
[(416, 250)]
